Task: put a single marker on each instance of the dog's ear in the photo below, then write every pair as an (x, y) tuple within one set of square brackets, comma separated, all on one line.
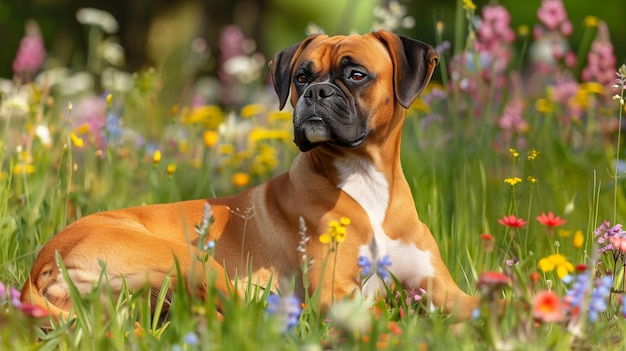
[(280, 69), (414, 63)]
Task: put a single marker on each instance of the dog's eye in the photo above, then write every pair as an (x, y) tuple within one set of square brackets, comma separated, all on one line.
[(356, 76), (302, 79)]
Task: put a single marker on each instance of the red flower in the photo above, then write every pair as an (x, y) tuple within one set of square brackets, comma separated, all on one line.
[(547, 307), (550, 220), (512, 221)]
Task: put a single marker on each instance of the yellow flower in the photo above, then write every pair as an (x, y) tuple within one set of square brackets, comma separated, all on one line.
[(157, 156), (171, 168), (241, 179), (531, 179), (579, 239), (469, 5), (514, 152), (591, 21), (82, 129), (544, 106), (252, 110), (279, 116), (420, 105), (23, 168), (523, 30), (210, 138), (226, 149), (533, 154), (211, 116), (557, 261), (76, 140), (592, 87), (109, 99), (513, 181), (337, 231)]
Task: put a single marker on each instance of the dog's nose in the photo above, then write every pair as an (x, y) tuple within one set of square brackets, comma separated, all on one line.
[(319, 92)]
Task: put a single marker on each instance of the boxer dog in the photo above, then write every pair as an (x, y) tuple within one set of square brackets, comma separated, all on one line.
[(350, 95)]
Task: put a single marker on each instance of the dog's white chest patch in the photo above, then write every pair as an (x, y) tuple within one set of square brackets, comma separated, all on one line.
[(366, 185)]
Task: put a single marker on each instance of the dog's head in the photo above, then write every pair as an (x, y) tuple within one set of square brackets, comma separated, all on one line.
[(345, 87)]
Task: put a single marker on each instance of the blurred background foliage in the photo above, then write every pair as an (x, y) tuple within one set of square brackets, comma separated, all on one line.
[(151, 31)]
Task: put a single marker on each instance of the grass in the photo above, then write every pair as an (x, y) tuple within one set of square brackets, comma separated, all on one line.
[(456, 157)]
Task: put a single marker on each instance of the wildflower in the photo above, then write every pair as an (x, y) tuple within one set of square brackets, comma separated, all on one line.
[(512, 119), (287, 308), (354, 314), (558, 262), (76, 140), (490, 282), (336, 231), (579, 239), (171, 168), (604, 233), (211, 116), (97, 18), (469, 5), (191, 339), (23, 168), (535, 278), (512, 221), (210, 138), (241, 179), (156, 158), (547, 307), (513, 181), (553, 15), (531, 179), (488, 241), (591, 21), (251, 110), (597, 301), (601, 59), (533, 154), (550, 220), (31, 53), (544, 106), (512, 261), (618, 241), (414, 295), (380, 267)]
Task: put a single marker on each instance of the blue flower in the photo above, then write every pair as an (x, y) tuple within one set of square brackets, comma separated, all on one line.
[(191, 338), (286, 307), (366, 265), (597, 303), (382, 267)]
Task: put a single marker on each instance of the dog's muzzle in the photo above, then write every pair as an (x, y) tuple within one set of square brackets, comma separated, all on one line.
[(325, 114)]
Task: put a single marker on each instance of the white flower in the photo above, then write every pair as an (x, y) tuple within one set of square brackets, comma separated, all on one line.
[(116, 80), (352, 314), (43, 133), (99, 18), (245, 68)]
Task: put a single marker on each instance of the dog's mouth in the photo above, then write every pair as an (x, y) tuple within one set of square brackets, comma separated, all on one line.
[(315, 130)]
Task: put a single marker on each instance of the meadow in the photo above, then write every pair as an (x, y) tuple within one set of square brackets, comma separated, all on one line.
[(514, 155)]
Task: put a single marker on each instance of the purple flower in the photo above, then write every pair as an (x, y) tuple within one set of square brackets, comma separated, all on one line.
[(382, 267), (191, 339), (597, 302), (603, 234), (286, 307), (366, 265)]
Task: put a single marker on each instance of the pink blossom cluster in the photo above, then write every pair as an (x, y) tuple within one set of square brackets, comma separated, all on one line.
[(553, 16), (495, 36), (601, 61), (31, 52)]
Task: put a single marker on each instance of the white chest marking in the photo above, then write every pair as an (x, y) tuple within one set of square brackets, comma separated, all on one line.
[(369, 187)]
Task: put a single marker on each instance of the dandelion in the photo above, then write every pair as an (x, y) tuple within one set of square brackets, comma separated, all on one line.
[(513, 181), (512, 221), (241, 179), (547, 307), (550, 220), (556, 262)]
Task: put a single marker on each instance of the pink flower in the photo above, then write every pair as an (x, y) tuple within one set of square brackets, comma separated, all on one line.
[(512, 221), (512, 119), (31, 53), (601, 60), (553, 15)]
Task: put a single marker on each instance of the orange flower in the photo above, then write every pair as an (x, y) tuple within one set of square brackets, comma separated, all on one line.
[(550, 220), (512, 221), (547, 307)]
